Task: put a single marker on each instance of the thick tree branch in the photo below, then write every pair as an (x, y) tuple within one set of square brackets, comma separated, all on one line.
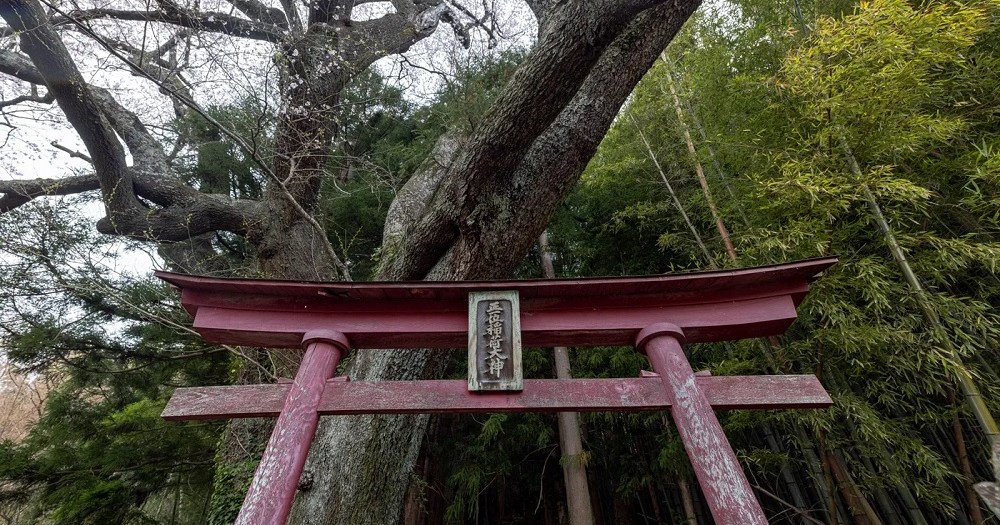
[(292, 15), (413, 199), (186, 212), (556, 158), (256, 10), (527, 106), (20, 67), (52, 60), (207, 21), (245, 217), (19, 192), (97, 116), (552, 74), (367, 41)]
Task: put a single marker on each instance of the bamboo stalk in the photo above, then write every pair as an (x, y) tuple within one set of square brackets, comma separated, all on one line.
[(831, 491), (654, 503), (670, 189), (862, 510), (685, 488), (975, 514), (973, 397), (570, 441), (723, 232), (719, 172), (798, 502)]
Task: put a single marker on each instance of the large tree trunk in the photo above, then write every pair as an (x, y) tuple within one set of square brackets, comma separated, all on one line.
[(364, 463)]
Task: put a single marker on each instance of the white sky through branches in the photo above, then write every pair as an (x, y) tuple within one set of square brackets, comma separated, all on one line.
[(221, 70)]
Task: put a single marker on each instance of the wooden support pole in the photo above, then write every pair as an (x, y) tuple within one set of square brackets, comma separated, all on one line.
[(720, 476), (570, 440), (272, 491)]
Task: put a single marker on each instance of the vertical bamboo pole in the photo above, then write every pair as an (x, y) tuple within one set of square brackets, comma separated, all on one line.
[(973, 397), (673, 196), (975, 514), (689, 515), (570, 441), (719, 224)]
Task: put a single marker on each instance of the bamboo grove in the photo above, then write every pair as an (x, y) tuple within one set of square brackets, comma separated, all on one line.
[(767, 132)]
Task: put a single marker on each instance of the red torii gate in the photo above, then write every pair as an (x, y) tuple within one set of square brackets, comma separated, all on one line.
[(656, 313)]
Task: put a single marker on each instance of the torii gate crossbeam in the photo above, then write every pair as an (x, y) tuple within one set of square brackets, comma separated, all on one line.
[(655, 313)]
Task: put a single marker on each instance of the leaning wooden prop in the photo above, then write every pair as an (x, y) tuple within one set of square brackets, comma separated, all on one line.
[(657, 314)]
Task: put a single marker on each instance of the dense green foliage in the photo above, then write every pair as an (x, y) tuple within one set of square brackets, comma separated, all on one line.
[(780, 100), (116, 345)]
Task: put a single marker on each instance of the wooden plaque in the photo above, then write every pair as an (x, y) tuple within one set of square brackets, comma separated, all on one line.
[(495, 341)]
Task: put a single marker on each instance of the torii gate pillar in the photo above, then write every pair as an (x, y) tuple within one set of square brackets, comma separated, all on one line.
[(719, 474), (276, 479)]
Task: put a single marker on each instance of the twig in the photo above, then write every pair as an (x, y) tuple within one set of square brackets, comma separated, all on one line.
[(72, 152), (47, 98), (787, 504)]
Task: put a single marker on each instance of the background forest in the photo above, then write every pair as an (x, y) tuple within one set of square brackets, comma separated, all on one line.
[(768, 131)]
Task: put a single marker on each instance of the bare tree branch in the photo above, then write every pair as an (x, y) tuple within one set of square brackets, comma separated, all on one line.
[(72, 152), (145, 147), (96, 116), (292, 15), (20, 67), (171, 43), (208, 21), (162, 71), (462, 29), (53, 62), (47, 98), (390, 34), (19, 192), (256, 10)]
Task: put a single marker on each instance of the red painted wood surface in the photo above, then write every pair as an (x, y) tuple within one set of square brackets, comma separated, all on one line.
[(272, 491), (539, 395), (709, 306), (426, 326), (719, 474)]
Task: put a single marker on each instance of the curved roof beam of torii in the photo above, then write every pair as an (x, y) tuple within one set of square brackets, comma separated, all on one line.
[(708, 306)]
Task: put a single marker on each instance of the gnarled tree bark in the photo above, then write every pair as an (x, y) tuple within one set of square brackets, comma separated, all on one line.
[(472, 212)]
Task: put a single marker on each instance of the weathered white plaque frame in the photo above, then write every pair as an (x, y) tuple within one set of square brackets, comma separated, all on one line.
[(516, 382)]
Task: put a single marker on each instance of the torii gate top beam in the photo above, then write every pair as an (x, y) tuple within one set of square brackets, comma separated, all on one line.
[(708, 306)]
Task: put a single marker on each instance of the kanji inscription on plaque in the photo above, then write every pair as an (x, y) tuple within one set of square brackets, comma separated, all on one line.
[(495, 341)]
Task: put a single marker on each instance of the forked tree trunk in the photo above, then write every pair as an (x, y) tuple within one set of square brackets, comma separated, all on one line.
[(449, 228)]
